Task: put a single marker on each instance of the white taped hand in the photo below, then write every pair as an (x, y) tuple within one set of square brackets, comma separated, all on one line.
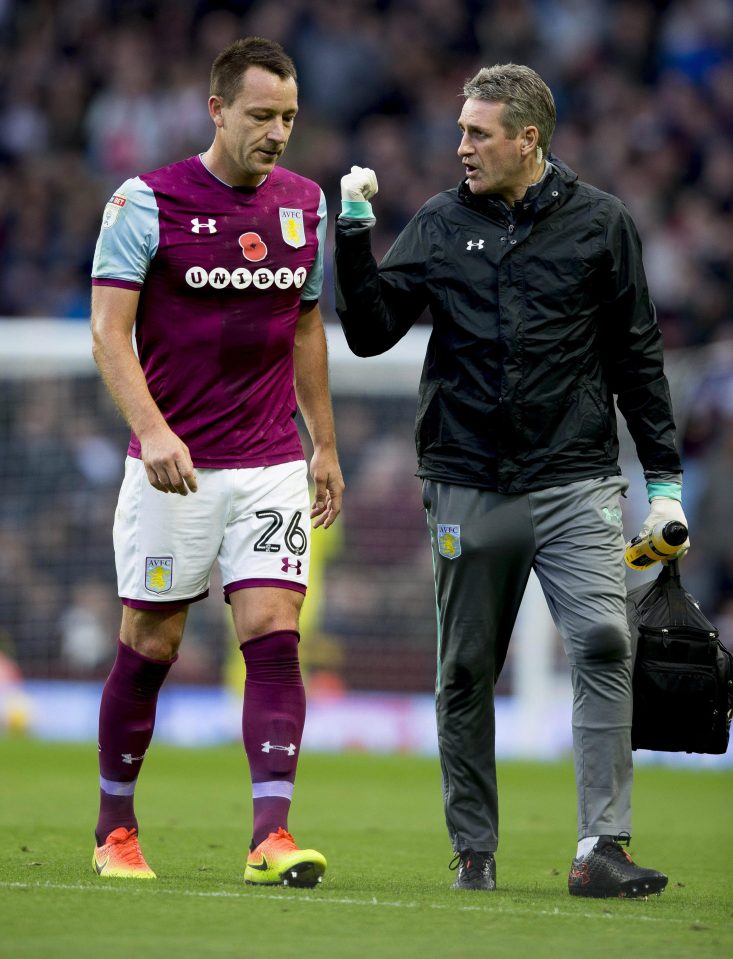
[(359, 185)]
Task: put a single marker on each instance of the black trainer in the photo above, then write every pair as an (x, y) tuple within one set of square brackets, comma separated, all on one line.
[(476, 870), (608, 871)]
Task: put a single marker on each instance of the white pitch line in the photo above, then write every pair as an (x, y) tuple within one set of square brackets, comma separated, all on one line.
[(326, 900)]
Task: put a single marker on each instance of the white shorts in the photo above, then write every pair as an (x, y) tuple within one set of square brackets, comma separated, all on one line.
[(255, 522)]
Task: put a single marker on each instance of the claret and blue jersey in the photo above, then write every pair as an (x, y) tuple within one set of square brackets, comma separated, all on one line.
[(221, 272)]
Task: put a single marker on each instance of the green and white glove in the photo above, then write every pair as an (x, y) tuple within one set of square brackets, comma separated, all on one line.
[(357, 189)]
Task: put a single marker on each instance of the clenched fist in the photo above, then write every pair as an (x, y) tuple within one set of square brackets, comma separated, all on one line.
[(359, 185)]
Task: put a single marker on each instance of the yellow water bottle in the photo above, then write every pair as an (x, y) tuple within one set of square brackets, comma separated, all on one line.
[(661, 542)]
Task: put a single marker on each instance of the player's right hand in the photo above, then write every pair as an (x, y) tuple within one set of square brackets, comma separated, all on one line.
[(168, 464), (360, 184)]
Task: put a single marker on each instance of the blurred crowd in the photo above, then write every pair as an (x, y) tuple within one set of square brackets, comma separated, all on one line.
[(95, 91)]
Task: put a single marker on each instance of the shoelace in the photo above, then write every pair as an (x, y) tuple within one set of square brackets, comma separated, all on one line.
[(280, 837), (473, 862), (129, 850), (614, 845), (283, 834)]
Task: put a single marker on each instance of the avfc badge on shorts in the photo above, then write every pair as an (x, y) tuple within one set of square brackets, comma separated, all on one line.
[(449, 540), (292, 226), (158, 573)]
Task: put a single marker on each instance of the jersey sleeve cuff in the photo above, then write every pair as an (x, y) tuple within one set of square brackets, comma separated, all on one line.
[(111, 281)]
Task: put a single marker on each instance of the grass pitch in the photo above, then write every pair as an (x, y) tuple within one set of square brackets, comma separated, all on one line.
[(386, 893)]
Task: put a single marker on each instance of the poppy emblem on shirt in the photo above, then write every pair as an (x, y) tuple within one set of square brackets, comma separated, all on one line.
[(293, 229), (253, 247)]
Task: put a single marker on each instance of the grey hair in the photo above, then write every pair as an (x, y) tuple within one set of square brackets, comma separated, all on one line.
[(528, 99)]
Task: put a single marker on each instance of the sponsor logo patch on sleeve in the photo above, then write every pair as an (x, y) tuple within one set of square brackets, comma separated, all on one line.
[(112, 210)]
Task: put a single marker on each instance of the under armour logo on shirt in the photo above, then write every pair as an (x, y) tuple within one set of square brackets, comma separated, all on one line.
[(479, 244), (198, 225)]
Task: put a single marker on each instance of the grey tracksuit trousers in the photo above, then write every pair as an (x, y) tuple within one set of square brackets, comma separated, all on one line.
[(484, 546)]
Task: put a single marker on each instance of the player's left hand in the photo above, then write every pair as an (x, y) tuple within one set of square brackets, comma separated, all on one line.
[(329, 488)]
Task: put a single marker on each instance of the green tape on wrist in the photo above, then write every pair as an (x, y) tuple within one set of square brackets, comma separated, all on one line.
[(356, 210), (670, 490)]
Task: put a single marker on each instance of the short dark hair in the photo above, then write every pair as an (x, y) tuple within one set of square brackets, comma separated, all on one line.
[(231, 64), (526, 96)]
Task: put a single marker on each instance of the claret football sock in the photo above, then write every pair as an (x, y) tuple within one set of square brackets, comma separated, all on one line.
[(272, 726), (126, 721)]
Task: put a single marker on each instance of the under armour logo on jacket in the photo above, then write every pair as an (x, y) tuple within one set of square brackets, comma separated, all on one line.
[(198, 225), (479, 244)]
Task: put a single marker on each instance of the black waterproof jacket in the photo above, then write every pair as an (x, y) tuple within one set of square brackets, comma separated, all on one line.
[(540, 314)]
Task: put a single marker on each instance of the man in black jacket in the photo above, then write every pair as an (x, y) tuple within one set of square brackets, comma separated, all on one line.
[(540, 314)]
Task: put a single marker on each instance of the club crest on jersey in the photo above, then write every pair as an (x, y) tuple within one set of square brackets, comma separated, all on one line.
[(292, 226), (449, 540), (158, 573), (112, 210), (253, 247)]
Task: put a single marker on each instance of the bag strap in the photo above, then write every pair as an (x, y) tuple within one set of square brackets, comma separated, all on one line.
[(675, 593)]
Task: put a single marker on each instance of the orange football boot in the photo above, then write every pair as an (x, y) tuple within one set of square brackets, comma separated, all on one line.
[(121, 857), (277, 861)]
